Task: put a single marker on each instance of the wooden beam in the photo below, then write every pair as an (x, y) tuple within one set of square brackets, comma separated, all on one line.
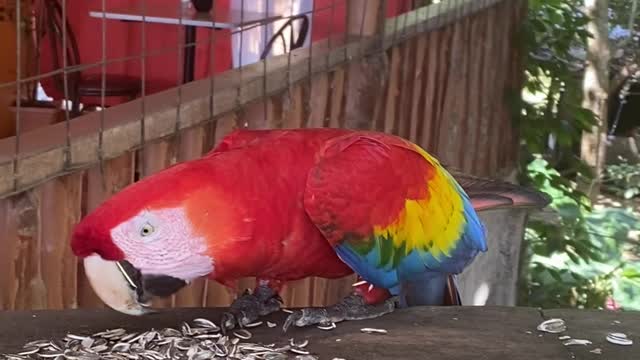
[(366, 79), (363, 16)]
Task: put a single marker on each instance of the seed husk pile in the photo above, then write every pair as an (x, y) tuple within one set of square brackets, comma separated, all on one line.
[(202, 339)]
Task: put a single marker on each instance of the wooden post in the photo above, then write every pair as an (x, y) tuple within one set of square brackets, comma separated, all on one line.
[(492, 278), (363, 16), (366, 78)]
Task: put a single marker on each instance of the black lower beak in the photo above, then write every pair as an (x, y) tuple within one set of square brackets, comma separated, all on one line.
[(161, 285), (147, 286)]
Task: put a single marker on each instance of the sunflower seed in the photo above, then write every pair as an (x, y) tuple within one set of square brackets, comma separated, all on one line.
[(50, 354), (275, 356), (373, 331), (619, 339), (29, 350), (327, 327), (186, 329), (253, 324), (71, 354), (299, 351), (76, 337), (38, 343), (553, 326), (121, 347), (301, 345), (198, 340), (576, 342), (271, 324), (206, 323), (243, 334)]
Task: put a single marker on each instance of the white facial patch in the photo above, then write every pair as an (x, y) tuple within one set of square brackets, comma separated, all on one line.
[(162, 242)]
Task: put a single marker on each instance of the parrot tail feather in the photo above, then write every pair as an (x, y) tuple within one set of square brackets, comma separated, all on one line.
[(431, 289), (488, 194)]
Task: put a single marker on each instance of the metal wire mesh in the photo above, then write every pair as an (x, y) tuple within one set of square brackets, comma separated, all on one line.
[(67, 70), (53, 25)]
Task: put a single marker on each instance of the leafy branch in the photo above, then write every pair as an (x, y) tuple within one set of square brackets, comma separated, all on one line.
[(574, 257)]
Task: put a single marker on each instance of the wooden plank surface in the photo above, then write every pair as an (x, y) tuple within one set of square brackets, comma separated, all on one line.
[(418, 333), (61, 197)]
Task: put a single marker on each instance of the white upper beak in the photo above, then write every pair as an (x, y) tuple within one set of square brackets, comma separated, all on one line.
[(111, 285)]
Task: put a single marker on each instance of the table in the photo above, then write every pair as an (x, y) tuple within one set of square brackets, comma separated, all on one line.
[(460, 333), (185, 15)]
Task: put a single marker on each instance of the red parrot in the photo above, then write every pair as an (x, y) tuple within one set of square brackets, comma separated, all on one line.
[(282, 205)]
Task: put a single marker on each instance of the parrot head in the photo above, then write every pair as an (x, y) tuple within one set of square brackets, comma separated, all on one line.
[(148, 240)]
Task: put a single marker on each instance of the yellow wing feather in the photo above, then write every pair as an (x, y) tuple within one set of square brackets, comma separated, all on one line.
[(433, 223)]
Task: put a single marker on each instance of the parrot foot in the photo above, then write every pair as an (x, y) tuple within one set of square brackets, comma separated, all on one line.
[(352, 307), (250, 307)]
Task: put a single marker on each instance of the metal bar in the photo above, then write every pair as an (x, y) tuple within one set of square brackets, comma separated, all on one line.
[(15, 174), (189, 54)]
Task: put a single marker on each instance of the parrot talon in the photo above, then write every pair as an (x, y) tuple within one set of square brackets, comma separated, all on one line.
[(228, 322), (248, 307), (294, 316), (352, 307)]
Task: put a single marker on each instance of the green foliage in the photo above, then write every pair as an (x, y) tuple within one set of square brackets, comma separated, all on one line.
[(621, 11), (550, 104), (622, 180), (584, 257), (578, 258)]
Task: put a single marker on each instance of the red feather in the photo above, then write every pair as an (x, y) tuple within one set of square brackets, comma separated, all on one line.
[(373, 199)]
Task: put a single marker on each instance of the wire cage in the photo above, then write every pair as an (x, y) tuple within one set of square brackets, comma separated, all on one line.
[(98, 94)]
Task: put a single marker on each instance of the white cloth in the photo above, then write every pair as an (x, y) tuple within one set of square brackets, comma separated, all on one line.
[(255, 39)]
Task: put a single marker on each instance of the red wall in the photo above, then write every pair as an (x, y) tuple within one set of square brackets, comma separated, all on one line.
[(163, 64)]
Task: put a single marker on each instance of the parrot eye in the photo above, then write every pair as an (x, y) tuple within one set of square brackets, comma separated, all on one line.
[(146, 230)]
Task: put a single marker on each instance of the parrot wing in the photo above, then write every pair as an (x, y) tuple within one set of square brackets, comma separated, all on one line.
[(391, 211)]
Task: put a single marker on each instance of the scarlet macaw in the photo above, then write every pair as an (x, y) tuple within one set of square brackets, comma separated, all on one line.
[(282, 205)]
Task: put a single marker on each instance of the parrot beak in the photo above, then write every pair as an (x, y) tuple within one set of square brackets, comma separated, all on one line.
[(123, 288), (114, 286)]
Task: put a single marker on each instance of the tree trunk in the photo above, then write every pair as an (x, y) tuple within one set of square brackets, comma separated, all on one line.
[(595, 92)]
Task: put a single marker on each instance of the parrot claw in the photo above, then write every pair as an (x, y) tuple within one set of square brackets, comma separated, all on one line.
[(352, 307), (278, 298), (228, 322), (250, 306)]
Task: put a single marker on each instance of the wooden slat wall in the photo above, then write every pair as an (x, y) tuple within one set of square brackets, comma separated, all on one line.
[(444, 90)]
